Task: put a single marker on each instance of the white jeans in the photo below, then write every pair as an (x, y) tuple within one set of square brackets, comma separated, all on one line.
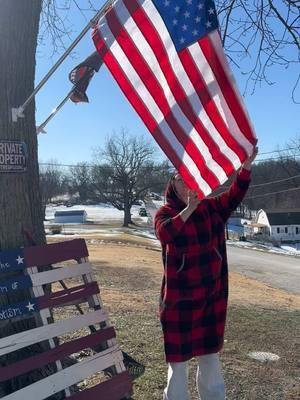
[(210, 382)]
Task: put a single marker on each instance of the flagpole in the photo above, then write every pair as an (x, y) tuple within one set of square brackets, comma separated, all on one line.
[(18, 112), (40, 128)]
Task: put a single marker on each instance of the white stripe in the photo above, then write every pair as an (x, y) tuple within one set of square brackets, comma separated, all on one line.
[(147, 53), (46, 387), (219, 100), (59, 274), (217, 44), (149, 103), (32, 336)]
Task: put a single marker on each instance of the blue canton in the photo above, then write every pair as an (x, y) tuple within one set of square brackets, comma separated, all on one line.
[(187, 20)]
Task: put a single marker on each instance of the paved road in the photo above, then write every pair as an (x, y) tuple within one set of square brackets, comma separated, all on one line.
[(276, 270)]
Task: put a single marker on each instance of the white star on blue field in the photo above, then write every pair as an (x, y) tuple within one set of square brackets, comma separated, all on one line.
[(187, 20)]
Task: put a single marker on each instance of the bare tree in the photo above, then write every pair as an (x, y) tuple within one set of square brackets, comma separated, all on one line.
[(121, 175), (52, 181), (260, 34), (80, 180)]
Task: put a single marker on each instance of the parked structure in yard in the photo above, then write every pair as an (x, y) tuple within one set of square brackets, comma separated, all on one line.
[(70, 216), (279, 224)]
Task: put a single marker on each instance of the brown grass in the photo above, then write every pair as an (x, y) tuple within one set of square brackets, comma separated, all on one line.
[(260, 318)]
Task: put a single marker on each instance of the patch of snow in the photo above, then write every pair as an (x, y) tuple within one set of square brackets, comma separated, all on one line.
[(263, 356), (266, 247)]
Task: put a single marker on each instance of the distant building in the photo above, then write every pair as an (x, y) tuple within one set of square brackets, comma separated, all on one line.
[(279, 224), (70, 217)]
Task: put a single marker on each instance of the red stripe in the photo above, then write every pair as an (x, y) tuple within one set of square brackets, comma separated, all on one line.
[(154, 40), (211, 109), (113, 389), (156, 91), (55, 252), (227, 89), (62, 297), (58, 353), (142, 111)]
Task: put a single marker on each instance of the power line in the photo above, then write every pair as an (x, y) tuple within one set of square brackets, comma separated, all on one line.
[(275, 158), (271, 193), (279, 151), (272, 182)]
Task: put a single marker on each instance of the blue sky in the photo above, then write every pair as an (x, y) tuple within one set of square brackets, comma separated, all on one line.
[(78, 129)]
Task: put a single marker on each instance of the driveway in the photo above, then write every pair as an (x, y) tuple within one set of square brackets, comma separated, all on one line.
[(277, 270)]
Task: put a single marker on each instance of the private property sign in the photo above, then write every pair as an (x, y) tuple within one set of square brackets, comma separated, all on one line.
[(13, 156)]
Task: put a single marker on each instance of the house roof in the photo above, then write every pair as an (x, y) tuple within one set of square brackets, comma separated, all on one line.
[(284, 216), (69, 213)]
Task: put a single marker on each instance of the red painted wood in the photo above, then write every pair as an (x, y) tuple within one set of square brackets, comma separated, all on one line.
[(55, 252), (58, 353), (68, 295), (112, 389)]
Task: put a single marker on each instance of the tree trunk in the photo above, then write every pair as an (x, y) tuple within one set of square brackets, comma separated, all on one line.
[(20, 200), (127, 216)]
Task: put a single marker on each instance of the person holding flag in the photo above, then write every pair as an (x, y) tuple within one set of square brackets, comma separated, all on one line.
[(194, 290)]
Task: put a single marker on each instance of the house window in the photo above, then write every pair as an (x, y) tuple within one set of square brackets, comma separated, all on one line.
[(297, 230), (278, 230), (286, 229)]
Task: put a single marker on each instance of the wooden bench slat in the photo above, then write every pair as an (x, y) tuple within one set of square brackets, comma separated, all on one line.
[(39, 304), (55, 252), (69, 376), (58, 353), (67, 296), (113, 389), (20, 340), (59, 274)]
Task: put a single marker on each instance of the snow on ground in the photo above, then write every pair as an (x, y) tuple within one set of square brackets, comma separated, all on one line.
[(104, 213), (267, 247), (99, 213)]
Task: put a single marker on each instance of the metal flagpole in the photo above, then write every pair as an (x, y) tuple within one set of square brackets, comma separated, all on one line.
[(18, 112), (40, 128)]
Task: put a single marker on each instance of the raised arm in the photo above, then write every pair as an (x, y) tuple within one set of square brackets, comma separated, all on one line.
[(227, 202), (167, 227)]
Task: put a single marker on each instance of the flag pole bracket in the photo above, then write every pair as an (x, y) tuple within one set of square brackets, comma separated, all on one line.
[(40, 129)]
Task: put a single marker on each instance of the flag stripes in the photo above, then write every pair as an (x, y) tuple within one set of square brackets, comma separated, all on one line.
[(186, 99), (61, 325)]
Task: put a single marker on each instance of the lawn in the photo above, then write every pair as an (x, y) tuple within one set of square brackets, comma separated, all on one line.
[(260, 318)]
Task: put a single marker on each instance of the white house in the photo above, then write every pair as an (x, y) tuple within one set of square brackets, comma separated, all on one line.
[(279, 224), (70, 216)]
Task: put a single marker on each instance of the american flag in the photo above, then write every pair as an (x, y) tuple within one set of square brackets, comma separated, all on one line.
[(167, 58)]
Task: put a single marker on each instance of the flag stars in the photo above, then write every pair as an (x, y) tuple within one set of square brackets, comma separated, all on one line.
[(177, 9), (189, 2), (182, 40), (195, 32), (167, 3), (208, 24), (200, 6), (197, 19), (20, 260), (30, 306), (175, 21), (211, 11), (184, 27), (187, 14)]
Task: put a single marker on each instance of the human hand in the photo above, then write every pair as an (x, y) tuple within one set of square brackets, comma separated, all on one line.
[(192, 200), (248, 162)]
